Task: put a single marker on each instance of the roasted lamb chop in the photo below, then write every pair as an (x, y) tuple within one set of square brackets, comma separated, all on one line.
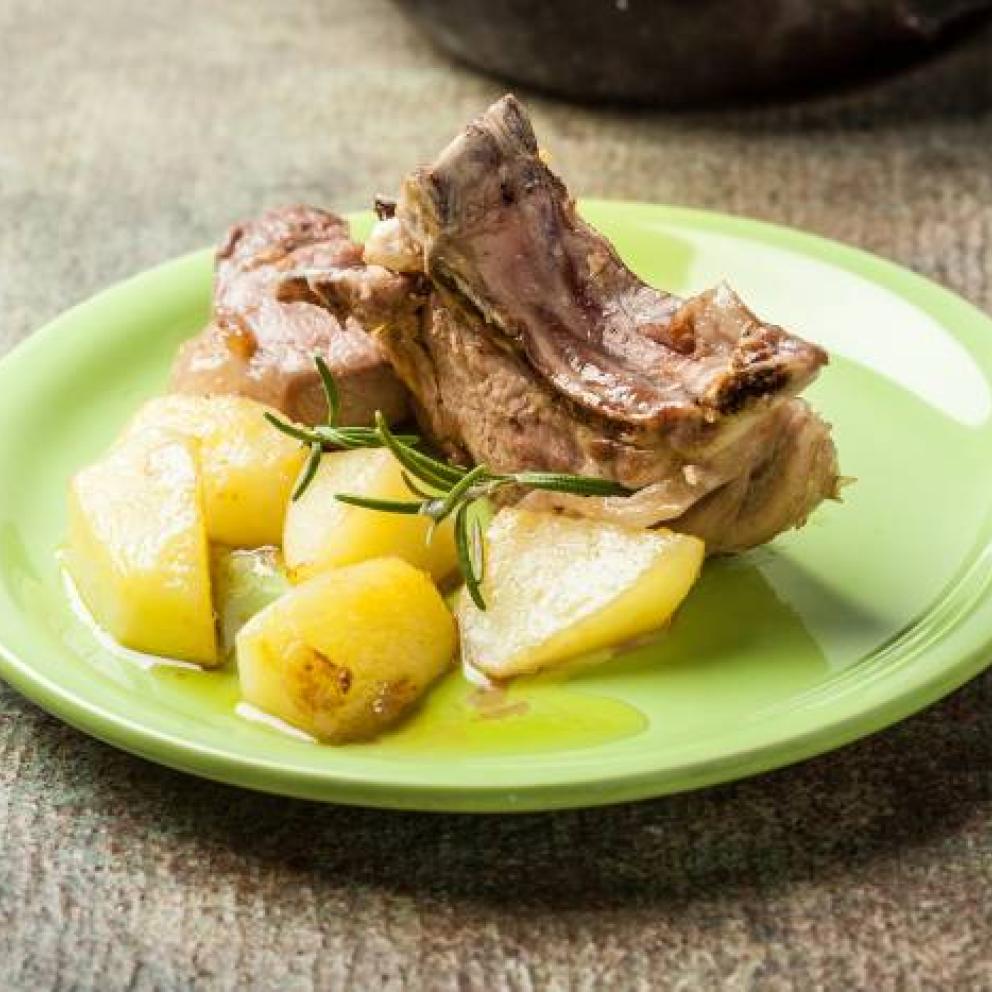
[(539, 349), (262, 341)]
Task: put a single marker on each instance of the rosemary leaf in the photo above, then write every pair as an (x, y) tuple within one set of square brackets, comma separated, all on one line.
[(463, 548), (300, 433), (578, 485), (336, 437), (422, 466), (366, 435), (330, 390), (415, 489), (308, 471), (386, 505), (477, 547), (351, 433)]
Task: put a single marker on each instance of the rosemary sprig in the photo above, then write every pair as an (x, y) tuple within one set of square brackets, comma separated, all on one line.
[(441, 488), (329, 437)]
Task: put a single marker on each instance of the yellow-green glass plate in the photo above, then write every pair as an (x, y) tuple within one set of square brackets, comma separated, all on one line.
[(875, 609)]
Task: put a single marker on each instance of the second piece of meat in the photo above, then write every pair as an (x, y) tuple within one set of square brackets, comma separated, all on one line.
[(262, 344)]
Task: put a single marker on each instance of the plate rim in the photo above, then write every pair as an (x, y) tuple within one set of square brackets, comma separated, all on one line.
[(580, 789)]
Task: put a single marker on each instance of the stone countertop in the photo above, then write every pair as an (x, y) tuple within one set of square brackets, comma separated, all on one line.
[(130, 133)]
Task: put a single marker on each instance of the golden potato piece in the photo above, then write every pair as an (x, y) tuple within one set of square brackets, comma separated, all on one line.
[(345, 654), (137, 547), (557, 587), (322, 533), (248, 467)]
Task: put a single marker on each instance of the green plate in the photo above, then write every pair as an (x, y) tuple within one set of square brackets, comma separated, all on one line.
[(875, 609)]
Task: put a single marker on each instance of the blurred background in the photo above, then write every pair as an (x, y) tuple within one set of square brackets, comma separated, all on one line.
[(133, 132)]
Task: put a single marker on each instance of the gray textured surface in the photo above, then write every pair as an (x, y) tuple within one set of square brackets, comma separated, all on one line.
[(132, 132)]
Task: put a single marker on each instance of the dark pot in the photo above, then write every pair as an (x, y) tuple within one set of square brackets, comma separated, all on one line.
[(675, 52)]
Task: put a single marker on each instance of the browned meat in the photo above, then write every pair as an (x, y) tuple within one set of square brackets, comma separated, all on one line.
[(795, 469), (262, 345), (542, 350)]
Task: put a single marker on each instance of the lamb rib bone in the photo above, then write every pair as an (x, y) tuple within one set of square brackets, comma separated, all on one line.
[(539, 349)]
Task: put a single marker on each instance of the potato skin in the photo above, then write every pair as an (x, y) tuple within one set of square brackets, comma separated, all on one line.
[(248, 467), (137, 547), (323, 533), (347, 653)]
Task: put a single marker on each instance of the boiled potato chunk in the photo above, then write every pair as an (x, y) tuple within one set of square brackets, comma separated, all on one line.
[(248, 467), (557, 587), (344, 654), (137, 547), (322, 533)]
